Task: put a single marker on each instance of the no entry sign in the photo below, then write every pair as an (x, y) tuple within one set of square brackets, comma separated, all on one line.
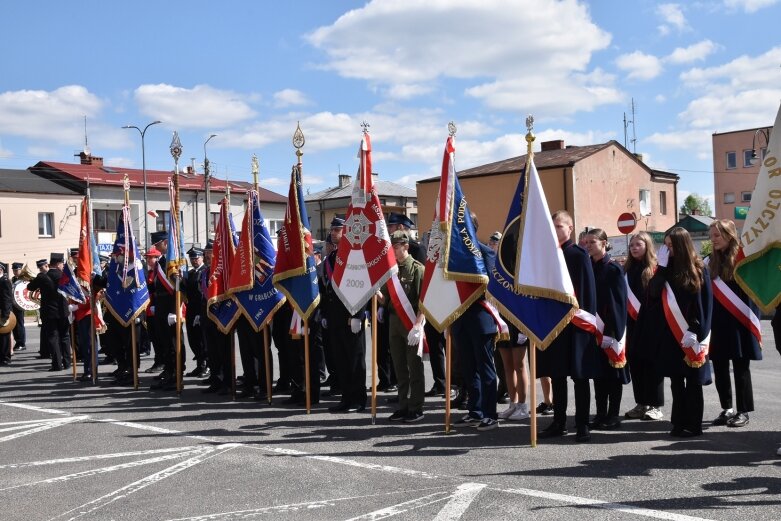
[(626, 223)]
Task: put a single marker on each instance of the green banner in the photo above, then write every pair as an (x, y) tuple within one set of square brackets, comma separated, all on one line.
[(741, 212)]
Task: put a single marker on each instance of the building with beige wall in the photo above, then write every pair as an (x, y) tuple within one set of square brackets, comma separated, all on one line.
[(734, 175), (37, 217), (595, 183)]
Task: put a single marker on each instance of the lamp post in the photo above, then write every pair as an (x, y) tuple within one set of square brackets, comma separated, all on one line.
[(206, 186), (143, 168), (764, 132)]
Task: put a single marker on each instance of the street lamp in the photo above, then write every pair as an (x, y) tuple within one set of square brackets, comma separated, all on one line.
[(143, 167), (206, 186), (764, 132)]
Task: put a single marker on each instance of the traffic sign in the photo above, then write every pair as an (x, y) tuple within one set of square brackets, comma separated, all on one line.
[(626, 222)]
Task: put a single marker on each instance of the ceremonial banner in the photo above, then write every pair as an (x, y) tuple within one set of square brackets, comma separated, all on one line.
[(84, 265), (368, 261), (758, 264), (294, 272), (222, 307), (530, 283), (176, 261), (69, 287), (251, 276), (455, 275), (126, 292)]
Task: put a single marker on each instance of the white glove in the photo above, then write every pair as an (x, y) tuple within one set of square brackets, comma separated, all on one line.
[(522, 338), (152, 309), (606, 342), (72, 307), (138, 320), (70, 316), (663, 255), (689, 339), (171, 319), (380, 315), (197, 320), (415, 335), (324, 323), (355, 326)]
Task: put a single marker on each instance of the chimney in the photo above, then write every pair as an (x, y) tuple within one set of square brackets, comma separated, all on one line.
[(344, 180), (639, 157), (89, 159), (557, 144), (190, 170), (375, 178)]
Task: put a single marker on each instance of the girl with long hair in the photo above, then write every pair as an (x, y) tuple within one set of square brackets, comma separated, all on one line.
[(736, 332), (647, 385)]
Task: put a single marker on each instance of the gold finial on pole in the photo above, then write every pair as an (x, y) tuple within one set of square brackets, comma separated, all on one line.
[(298, 141), (255, 170), (451, 129), (529, 134)]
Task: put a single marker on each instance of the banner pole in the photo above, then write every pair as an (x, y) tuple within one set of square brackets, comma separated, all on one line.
[(374, 359), (448, 348), (233, 364), (73, 348), (134, 351), (533, 394), (178, 338), (307, 376), (267, 359)]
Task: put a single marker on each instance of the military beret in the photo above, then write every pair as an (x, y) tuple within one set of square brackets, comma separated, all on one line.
[(41, 263), (400, 237), (158, 236), (17, 265), (398, 218), (337, 222)]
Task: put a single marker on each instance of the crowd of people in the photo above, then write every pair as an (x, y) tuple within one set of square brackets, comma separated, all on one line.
[(665, 313)]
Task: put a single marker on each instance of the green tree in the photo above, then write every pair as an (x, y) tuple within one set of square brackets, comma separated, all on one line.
[(694, 203), (706, 248)]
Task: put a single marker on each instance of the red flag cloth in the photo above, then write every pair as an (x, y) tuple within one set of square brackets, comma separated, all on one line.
[(365, 259), (84, 263), (241, 274), (219, 275)]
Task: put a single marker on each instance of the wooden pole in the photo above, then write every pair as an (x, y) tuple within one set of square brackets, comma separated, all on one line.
[(134, 351), (233, 365), (267, 358), (533, 394), (307, 369), (448, 349), (73, 348), (94, 340), (178, 337), (374, 358)]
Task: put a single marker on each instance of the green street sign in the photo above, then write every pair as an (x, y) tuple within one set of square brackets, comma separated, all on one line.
[(741, 212)]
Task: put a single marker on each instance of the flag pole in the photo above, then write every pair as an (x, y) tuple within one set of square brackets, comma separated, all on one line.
[(266, 347), (133, 347), (532, 344), (232, 331), (176, 152), (448, 348), (307, 368), (73, 348), (374, 358)]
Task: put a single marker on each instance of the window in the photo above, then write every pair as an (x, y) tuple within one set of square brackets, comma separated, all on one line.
[(273, 226), (732, 160), (729, 198), (45, 224), (747, 159), (663, 203), (106, 220), (213, 223), (161, 222), (745, 197), (645, 202)]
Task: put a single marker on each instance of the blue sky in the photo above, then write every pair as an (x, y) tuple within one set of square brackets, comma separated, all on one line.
[(248, 71)]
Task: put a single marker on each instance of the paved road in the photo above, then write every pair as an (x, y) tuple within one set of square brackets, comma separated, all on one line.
[(74, 451)]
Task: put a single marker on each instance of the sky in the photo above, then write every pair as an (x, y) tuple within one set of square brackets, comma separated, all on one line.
[(250, 71)]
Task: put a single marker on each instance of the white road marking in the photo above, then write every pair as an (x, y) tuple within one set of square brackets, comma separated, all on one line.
[(459, 502), (127, 490), (406, 506), (42, 425), (34, 408), (77, 459)]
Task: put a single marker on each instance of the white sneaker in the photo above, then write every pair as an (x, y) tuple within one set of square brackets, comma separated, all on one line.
[(521, 412), (653, 414), (508, 412)]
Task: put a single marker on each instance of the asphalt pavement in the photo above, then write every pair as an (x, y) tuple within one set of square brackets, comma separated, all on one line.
[(71, 450)]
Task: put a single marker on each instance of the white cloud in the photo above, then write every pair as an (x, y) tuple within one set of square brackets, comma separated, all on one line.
[(672, 16), (290, 97), (640, 66), (403, 46), (660, 98), (696, 52), (749, 6), (200, 107)]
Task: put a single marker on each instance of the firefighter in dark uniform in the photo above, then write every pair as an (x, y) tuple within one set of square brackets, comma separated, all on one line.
[(165, 318), (6, 308), (152, 257), (20, 333), (54, 312), (217, 343), (192, 288)]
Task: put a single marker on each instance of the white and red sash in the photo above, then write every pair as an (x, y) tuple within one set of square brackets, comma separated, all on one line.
[(695, 356), (501, 325), (616, 352), (632, 302), (589, 323), (737, 308), (296, 325), (405, 311), (164, 280)]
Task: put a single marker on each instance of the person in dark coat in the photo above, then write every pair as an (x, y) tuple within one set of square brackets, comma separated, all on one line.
[(6, 308), (20, 333), (647, 385), (731, 340), (574, 352), (54, 321), (192, 289), (687, 277), (611, 307)]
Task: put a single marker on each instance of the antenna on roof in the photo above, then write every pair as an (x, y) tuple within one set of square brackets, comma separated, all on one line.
[(626, 126), (86, 144)]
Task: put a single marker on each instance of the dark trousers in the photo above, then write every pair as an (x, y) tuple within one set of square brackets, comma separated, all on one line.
[(280, 332), (647, 385), (5, 347), (688, 403), (219, 352), (250, 345), (315, 361), (476, 354), (607, 395), (582, 400), (744, 392), (436, 353), (166, 336), (55, 334), (84, 334), (385, 371), (20, 333), (350, 351), (195, 339)]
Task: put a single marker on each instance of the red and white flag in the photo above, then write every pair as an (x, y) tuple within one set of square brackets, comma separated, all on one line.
[(365, 260)]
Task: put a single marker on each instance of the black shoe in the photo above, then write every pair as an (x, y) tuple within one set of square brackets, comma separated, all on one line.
[(55, 369), (155, 368), (333, 391), (19, 348), (197, 372), (435, 391), (390, 389), (162, 385), (340, 407), (684, 433), (206, 372), (246, 392), (163, 374), (611, 423), (356, 408), (392, 399), (723, 417), (739, 420), (214, 388), (553, 430), (413, 417), (398, 416), (107, 361), (598, 422), (503, 398), (584, 435), (545, 409)]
